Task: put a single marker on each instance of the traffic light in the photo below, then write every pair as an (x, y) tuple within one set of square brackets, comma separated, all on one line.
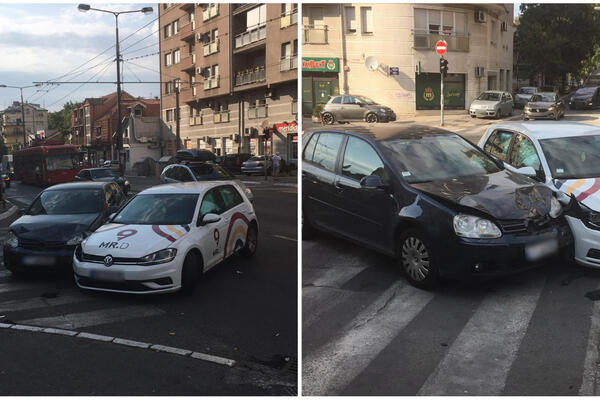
[(444, 67)]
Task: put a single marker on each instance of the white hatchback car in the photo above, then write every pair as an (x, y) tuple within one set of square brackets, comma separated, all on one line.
[(164, 238), (566, 157)]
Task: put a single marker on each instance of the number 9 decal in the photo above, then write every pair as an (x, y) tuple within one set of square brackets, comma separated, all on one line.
[(216, 236), (125, 234)]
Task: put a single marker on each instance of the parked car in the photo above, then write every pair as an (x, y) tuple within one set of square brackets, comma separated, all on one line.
[(586, 97), (57, 220), (355, 108), (565, 157), (112, 164), (432, 199), (200, 171), (166, 237), (544, 105), (103, 175), (256, 165), (523, 95), (195, 155), (233, 162), (492, 103)]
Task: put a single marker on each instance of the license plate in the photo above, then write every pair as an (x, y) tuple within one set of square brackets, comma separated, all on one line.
[(539, 250), (107, 275), (38, 260)]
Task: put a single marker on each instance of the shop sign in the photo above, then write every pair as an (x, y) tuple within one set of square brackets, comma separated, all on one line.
[(319, 64), (286, 128)]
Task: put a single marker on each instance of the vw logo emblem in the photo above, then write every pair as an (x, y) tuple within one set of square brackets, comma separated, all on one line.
[(108, 260)]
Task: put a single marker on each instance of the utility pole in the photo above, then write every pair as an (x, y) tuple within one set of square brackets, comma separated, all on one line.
[(23, 119), (177, 126)]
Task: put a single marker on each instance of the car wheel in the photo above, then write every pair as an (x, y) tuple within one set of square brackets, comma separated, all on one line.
[(308, 231), (327, 118), (371, 118), (525, 118), (473, 116), (190, 274), (251, 242), (417, 259)]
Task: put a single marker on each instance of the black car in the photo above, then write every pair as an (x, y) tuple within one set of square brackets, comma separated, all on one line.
[(586, 97), (103, 175), (430, 198), (57, 220), (233, 162), (195, 155)]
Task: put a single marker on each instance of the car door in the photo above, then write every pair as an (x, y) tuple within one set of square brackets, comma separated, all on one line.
[(498, 145), (524, 154), (335, 107), (212, 236), (351, 109), (235, 215), (83, 175), (367, 212)]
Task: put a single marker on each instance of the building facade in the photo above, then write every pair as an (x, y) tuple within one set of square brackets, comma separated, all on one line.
[(233, 70), (36, 123), (387, 53)]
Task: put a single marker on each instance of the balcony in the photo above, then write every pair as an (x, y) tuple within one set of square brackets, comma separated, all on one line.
[(288, 63), (211, 12), (187, 31), (220, 117), (211, 48), (211, 83), (197, 120), (249, 76), (257, 112), (315, 34), (289, 18), (250, 36), (424, 39), (188, 62)]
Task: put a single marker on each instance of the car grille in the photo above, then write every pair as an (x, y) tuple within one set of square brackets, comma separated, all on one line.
[(131, 286), (539, 110), (516, 226), (40, 245), (116, 260)]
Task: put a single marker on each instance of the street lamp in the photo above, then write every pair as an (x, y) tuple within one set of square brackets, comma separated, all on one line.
[(146, 10), (22, 107)]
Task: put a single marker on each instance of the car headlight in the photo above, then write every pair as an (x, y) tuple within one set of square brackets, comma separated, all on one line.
[(126, 183), (555, 207), (11, 240), (248, 192), (551, 108), (159, 257), (77, 238), (382, 110), (591, 218), (79, 252), (471, 226), (527, 108)]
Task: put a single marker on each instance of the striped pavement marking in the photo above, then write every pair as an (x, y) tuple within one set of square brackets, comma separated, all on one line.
[(329, 369), (478, 361)]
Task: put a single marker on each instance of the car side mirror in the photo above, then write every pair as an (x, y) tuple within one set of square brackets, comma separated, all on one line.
[(372, 182), (527, 171), (22, 211), (209, 218)]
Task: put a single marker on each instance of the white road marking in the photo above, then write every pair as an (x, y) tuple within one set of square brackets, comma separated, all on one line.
[(3, 325), (131, 343), (590, 385), (20, 327), (213, 359), (480, 358), (168, 349), (94, 336), (92, 318), (60, 331), (329, 369), (285, 238)]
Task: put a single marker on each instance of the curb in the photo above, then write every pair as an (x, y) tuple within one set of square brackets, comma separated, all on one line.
[(11, 210)]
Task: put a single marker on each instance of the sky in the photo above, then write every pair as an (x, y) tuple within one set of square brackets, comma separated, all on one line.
[(44, 42)]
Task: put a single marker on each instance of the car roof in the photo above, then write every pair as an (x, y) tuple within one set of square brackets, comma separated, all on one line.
[(199, 187), (96, 169), (493, 91), (550, 129), (381, 133), (79, 185), (546, 93)]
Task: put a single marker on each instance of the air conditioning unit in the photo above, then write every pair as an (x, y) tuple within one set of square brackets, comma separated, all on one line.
[(479, 16), (504, 26), (479, 71)]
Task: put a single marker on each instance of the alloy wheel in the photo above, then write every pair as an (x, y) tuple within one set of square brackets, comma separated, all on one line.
[(371, 118), (327, 118), (415, 258)]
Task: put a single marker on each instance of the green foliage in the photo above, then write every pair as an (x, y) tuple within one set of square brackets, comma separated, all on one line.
[(61, 120), (317, 110)]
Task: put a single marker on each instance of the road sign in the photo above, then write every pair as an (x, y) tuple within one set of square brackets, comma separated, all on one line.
[(440, 47)]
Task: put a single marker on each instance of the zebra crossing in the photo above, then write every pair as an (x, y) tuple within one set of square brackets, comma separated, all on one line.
[(366, 331)]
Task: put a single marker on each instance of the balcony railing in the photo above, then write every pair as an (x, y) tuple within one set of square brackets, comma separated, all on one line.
[(197, 120), (211, 48), (289, 18), (211, 12), (288, 63), (211, 83), (250, 36), (315, 34), (187, 30), (424, 39), (222, 116), (257, 112), (253, 75)]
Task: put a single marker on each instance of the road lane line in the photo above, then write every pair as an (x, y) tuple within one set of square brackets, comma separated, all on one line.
[(132, 343), (478, 361), (56, 331), (327, 370), (590, 385), (285, 238), (93, 336)]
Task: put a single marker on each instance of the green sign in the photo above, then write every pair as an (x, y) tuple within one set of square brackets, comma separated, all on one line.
[(427, 91), (320, 64)]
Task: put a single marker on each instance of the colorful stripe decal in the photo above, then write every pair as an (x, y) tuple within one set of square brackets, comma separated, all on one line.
[(175, 230), (593, 189), (578, 183), (240, 232), (110, 229), (234, 217), (157, 230)]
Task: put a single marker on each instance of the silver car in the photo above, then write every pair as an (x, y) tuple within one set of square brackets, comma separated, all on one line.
[(492, 103), (357, 108), (523, 95), (544, 105)]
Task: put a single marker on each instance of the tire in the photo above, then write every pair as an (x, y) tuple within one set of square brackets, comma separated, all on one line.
[(372, 118), (190, 273), (308, 231), (473, 116), (417, 259), (251, 242), (525, 119), (327, 118)]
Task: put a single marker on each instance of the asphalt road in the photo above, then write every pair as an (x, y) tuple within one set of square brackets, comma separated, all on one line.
[(243, 310)]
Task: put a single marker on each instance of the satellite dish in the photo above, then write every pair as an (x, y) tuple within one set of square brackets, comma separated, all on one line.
[(371, 63)]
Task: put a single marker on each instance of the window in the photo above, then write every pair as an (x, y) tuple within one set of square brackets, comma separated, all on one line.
[(175, 27), (231, 197), (168, 87), (256, 17), (326, 150), (286, 50), (211, 203), (360, 160), (214, 70), (436, 22), (167, 30), (176, 56), (310, 147), (337, 100), (498, 144), (524, 155), (98, 131), (350, 14), (295, 47), (214, 35), (169, 115), (366, 17), (168, 59), (349, 100)]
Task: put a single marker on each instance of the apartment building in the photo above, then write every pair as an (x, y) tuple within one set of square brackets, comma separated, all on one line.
[(235, 69), (36, 123), (386, 52)]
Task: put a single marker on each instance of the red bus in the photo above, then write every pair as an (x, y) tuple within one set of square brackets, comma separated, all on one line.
[(47, 165)]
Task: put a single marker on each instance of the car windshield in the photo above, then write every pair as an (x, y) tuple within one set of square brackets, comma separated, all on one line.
[(573, 157), (527, 90), (102, 173), (489, 96), (257, 158), (365, 100), (158, 209), (585, 91), (543, 97), (437, 157), (207, 172), (62, 202)]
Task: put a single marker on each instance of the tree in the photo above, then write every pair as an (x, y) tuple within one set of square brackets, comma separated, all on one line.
[(554, 39), (61, 120)]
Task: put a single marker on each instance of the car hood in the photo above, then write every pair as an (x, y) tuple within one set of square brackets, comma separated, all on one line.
[(106, 179), (484, 103), (502, 195), (586, 191), (541, 104), (54, 227), (133, 241), (523, 96)]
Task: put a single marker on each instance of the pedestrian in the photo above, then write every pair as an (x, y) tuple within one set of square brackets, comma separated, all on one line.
[(276, 164)]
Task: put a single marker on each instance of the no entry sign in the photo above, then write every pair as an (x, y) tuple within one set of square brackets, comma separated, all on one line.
[(441, 46)]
